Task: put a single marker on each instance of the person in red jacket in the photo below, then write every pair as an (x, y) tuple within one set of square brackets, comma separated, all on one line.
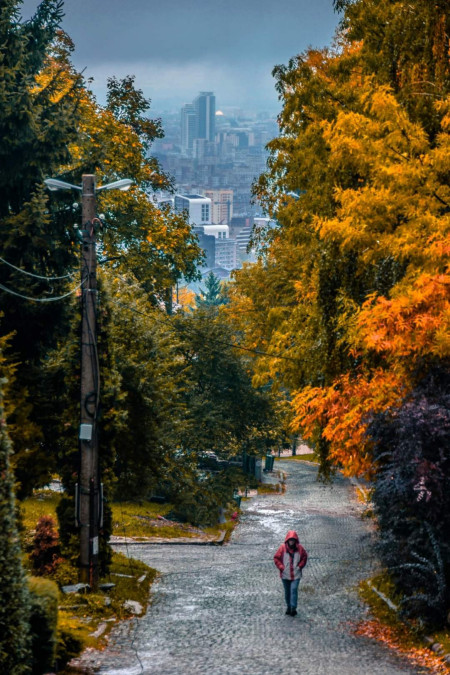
[(290, 559)]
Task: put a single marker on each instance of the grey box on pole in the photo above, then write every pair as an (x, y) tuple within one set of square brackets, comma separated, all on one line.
[(85, 432)]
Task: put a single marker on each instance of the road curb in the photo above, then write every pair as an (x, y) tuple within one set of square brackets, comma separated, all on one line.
[(174, 541)]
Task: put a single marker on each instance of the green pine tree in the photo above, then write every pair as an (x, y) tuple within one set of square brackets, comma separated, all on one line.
[(214, 295), (37, 122), (14, 603)]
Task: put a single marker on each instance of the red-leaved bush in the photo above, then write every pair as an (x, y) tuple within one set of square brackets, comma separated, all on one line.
[(45, 556)]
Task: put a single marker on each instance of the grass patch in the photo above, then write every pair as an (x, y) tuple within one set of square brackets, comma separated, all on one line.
[(443, 637), (140, 519), (130, 519), (42, 503), (216, 530), (378, 607), (310, 457), (80, 614), (271, 488), (125, 573)]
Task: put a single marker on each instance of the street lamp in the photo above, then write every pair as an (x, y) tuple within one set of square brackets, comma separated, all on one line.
[(88, 496), (54, 184)]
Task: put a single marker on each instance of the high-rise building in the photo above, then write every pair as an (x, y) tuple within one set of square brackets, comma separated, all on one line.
[(198, 124), (188, 128), (205, 107)]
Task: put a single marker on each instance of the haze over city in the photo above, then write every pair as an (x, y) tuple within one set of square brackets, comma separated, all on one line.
[(177, 48)]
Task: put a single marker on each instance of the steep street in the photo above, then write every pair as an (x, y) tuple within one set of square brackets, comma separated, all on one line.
[(220, 610)]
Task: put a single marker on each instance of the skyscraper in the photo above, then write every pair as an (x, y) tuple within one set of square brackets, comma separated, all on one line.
[(188, 128), (205, 108)]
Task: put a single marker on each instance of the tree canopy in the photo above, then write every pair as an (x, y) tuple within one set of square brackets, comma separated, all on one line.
[(355, 276), (53, 127)]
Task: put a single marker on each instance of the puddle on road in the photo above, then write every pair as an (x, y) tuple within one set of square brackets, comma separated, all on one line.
[(273, 522), (269, 512)]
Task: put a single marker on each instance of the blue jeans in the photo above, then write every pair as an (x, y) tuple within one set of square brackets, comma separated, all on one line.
[(290, 592)]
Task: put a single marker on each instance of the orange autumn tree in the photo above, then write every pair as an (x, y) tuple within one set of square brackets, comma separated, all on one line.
[(400, 213), (358, 183)]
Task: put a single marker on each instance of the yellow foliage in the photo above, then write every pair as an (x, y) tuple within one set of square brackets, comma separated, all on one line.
[(374, 198)]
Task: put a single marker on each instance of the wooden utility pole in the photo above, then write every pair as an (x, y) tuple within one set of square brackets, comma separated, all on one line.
[(89, 485)]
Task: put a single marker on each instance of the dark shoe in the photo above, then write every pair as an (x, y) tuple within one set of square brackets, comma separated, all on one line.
[(293, 611), (288, 611)]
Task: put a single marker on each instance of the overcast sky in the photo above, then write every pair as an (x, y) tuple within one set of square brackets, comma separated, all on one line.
[(176, 48)]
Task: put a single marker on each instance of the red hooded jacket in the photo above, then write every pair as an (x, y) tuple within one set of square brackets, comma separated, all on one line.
[(290, 562)]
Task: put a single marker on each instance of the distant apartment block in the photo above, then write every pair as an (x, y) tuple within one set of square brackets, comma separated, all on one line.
[(243, 239), (208, 243), (218, 231), (237, 224), (203, 149), (225, 249), (197, 207), (226, 254), (221, 205)]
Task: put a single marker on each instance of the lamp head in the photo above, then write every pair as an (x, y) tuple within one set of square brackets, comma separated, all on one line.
[(123, 184), (54, 184)]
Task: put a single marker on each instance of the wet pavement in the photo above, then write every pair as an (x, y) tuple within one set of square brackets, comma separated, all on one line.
[(220, 610)]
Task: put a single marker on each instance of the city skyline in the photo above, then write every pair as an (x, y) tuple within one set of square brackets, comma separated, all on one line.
[(176, 49)]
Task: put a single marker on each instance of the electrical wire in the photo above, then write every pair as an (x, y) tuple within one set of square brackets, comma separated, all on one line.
[(37, 276), (30, 299), (167, 321), (95, 363)]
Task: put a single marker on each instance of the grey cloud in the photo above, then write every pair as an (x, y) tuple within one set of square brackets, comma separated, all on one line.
[(187, 45), (179, 30)]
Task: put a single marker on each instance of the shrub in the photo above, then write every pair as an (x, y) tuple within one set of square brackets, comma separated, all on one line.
[(45, 556), (14, 607), (66, 573), (70, 533), (43, 622), (412, 497), (72, 636)]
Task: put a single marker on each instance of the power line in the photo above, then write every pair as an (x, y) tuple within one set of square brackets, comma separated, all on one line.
[(30, 299), (37, 276), (216, 340)]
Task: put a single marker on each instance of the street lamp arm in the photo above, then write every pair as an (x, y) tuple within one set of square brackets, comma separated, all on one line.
[(123, 185), (55, 184)]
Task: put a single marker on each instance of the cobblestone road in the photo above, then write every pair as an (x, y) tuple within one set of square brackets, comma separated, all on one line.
[(220, 610)]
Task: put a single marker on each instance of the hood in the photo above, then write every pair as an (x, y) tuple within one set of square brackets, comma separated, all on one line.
[(292, 534)]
